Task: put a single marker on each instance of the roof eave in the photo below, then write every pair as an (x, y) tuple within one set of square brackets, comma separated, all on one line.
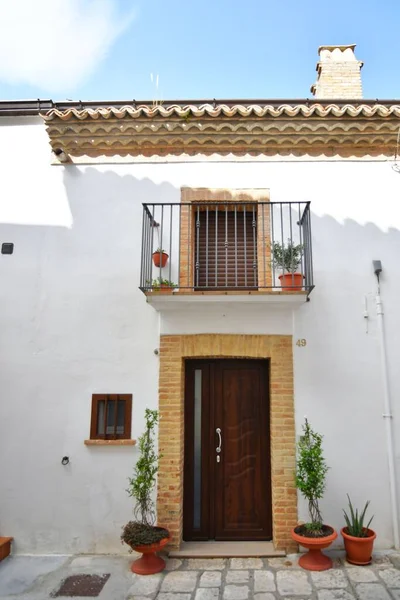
[(38, 106)]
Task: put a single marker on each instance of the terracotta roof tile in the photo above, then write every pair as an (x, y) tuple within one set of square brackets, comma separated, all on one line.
[(222, 110), (308, 128)]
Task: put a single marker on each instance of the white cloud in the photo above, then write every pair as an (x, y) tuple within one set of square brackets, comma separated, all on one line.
[(55, 45)]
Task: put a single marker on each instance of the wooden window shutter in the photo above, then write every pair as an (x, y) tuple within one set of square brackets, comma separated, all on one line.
[(111, 416), (226, 247)]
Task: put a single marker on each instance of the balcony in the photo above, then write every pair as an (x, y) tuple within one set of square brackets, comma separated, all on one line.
[(235, 251)]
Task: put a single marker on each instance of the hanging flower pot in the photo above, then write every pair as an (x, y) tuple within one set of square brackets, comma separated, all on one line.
[(160, 258)]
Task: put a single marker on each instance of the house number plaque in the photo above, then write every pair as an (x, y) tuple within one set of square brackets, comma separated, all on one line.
[(301, 343)]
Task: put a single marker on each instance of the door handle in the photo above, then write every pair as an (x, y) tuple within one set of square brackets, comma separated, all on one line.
[(219, 448)]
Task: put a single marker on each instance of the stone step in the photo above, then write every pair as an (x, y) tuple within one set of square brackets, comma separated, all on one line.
[(226, 550)]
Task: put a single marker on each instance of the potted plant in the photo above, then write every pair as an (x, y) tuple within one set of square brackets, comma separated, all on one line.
[(142, 535), (162, 285), (160, 257), (5, 547), (288, 258), (358, 538), (311, 472)]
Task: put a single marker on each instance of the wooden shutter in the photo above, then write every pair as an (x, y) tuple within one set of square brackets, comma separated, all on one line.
[(226, 252), (111, 416)]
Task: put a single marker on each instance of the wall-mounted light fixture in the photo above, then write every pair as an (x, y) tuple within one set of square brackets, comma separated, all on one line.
[(377, 267), (7, 248)]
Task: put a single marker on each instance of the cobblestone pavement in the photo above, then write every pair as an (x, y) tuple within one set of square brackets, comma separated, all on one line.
[(270, 579), (32, 578)]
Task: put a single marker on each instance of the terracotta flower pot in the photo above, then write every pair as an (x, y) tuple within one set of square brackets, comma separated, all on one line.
[(314, 559), (160, 259), (291, 282), (149, 563), (358, 550), (5, 547), (163, 289)]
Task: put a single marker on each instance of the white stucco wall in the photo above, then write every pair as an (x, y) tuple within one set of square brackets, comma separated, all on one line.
[(73, 322)]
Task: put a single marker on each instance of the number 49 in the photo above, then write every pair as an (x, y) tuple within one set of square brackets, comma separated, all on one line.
[(301, 342)]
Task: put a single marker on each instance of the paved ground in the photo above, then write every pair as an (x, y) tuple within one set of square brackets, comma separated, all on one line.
[(37, 578)]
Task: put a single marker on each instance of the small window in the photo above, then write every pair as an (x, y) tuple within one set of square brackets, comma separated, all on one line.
[(111, 417)]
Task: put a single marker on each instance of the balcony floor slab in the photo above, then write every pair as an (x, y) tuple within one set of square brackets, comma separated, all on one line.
[(164, 301)]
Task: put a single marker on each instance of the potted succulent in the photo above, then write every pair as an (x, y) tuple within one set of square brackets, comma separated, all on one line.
[(288, 258), (162, 285), (358, 538), (142, 535), (160, 257), (311, 472)]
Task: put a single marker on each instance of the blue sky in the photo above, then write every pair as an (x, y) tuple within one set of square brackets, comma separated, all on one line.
[(107, 49)]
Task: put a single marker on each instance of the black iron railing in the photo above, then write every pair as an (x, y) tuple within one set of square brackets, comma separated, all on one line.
[(242, 246)]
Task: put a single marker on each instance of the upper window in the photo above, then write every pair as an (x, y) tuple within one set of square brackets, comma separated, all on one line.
[(111, 417), (226, 246)]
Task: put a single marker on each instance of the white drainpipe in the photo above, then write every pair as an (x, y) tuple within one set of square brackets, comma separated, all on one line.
[(387, 415)]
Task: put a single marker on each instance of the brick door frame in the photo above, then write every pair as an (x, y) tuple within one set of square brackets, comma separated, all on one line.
[(174, 349)]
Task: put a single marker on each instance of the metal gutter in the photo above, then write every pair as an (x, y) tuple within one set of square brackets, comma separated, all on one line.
[(25, 108), (9, 108)]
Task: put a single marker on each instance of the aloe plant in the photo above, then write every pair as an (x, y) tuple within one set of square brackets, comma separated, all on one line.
[(355, 522)]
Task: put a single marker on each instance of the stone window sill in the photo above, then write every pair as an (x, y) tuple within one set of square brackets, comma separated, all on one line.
[(110, 442)]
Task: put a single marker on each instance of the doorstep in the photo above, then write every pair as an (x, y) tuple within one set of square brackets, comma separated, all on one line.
[(226, 550)]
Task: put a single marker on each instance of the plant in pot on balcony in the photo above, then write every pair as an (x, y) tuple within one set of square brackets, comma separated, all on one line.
[(160, 257), (311, 472), (358, 538), (162, 285), (288, 258), (142, 535)]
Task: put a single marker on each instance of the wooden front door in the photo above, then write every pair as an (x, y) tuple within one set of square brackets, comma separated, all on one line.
[(227, 483)]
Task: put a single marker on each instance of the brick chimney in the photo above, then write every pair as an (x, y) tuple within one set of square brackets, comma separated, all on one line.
[(339, 73)]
